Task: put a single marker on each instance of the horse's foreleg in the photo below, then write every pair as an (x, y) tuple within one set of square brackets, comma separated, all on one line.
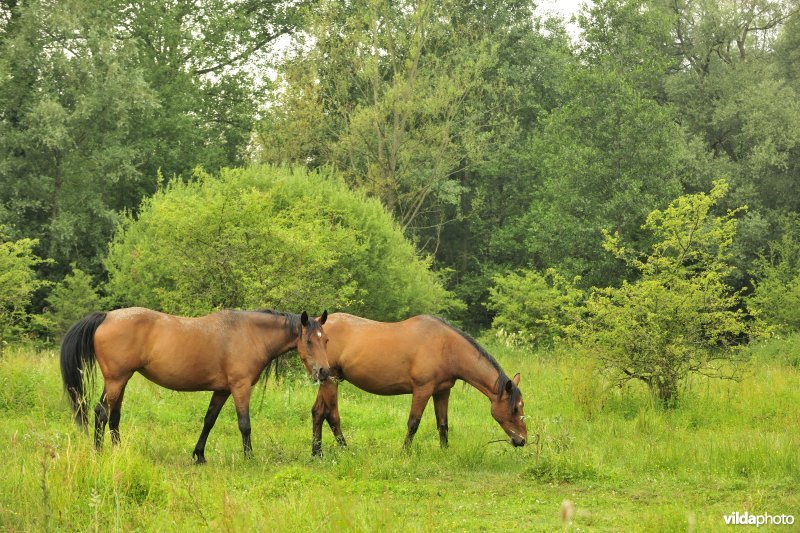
[(317, 416), (326, 407), (332, 401), (440, 400), (218, 400), (419, 400), (241, 398)]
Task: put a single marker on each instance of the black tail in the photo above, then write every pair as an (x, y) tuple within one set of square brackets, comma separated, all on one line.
[(77, 362)]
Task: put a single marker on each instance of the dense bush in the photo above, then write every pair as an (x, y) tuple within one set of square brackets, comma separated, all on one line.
[(776, 296), (18, 282), (70, 300), (680, 316), (533, 308), (269, 237)]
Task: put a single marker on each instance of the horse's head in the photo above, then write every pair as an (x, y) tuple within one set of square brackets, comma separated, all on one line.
[(311, 345), (507, 410)]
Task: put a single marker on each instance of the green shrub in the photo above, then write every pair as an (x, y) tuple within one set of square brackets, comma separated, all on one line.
[(533, 308), (70, 300), (269, 237), (18, 282), (776, 294), (681, 316)]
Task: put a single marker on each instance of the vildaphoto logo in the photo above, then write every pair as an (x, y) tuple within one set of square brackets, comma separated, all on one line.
[(747, 519)]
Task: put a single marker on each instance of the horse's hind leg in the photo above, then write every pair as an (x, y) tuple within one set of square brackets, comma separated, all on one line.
[(241, 397), (115, 405), (440, 400), (100, 419), (108, 409), (218, 399), (419, 400)]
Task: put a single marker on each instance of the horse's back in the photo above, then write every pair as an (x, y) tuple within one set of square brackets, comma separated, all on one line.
[(175, 352), (350, 332), (387, 357)]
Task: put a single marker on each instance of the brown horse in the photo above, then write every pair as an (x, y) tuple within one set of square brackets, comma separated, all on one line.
[(224, 352), (422, 356)]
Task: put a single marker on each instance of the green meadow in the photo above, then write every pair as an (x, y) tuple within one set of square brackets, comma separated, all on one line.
[(625, 463)]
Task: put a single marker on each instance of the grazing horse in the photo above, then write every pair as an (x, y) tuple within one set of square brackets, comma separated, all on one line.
[(422, 356), (224, 352)]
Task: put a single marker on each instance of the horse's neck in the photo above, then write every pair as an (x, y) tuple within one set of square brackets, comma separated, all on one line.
[(276, 337), (479, 373)]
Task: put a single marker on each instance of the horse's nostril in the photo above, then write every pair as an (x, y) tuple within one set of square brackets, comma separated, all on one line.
[(323, 374)]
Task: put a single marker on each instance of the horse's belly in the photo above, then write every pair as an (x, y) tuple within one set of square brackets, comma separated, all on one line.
[(378, 382), (182, 380)]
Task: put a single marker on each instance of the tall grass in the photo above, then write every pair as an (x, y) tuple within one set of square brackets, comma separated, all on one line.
[(626, 463)]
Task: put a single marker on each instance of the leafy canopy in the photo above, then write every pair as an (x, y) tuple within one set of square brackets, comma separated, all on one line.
[(18, 283), (680, 316), (533, 308), (269, 237)]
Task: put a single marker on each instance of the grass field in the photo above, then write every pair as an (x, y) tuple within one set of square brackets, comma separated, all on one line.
[(625, 463)]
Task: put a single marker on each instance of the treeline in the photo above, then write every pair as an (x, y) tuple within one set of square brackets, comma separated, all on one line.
[(499, 146)]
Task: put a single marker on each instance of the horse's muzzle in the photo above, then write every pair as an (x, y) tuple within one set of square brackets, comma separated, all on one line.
[(517, 442), (321, 374)]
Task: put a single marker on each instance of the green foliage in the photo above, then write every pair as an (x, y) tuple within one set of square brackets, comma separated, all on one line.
[(393, 102), (18, 283), (630, 37), (269, 237), (97, 95), (776, 295), (533, 308), (605, 159), (681, 316), (735, 93), (71, 299)]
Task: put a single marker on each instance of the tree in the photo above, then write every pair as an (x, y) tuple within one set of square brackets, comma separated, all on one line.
[(430, 107), (18, 283), (269, 237), (681, 316), (532, 308), (399, 97), (605, 159), (97, 97), (70, 300), (776, 292)]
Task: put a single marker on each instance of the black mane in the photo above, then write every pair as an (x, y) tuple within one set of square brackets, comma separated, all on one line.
[(502, 379), (291, 321)]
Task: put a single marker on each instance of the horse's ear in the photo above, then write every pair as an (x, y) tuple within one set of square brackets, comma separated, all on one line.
[(509, 386), (515, 379), (304, 319), (324, 317)]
